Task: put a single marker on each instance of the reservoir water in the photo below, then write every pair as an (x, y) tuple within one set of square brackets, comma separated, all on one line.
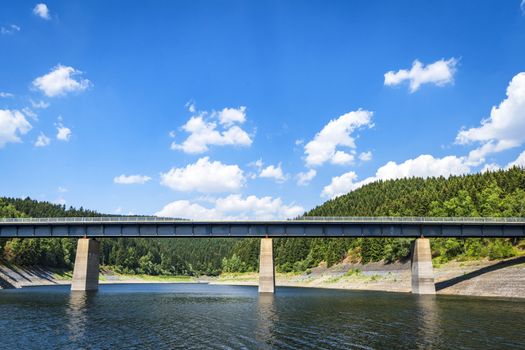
[(201, 316)]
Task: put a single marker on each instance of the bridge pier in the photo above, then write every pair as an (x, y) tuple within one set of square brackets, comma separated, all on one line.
[(422, 270), (85, 273), (266, 267)]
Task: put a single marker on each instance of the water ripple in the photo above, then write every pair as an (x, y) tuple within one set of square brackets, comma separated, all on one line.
[(188, 316)]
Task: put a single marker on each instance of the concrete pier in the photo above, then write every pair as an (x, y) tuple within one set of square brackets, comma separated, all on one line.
[(422, 270), (266, 267), (85, 273)]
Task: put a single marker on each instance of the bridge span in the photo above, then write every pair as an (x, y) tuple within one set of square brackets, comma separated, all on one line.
[(88, 229), (128, 226)]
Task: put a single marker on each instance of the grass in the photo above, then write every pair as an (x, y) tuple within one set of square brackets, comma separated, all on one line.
[(159, 278), (62, 275)]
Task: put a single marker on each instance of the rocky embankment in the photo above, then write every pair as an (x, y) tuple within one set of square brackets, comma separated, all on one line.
[(504, 278)]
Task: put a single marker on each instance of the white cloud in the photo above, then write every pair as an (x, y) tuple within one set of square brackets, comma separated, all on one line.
[(204, 176), (233, 207), (6, 95), (304, 178), (504, 129), (60, 81), (342, 158), (42, 140), (257, 164), (273, 172), (60, 201), (63, 133), (41, 11), (490, 167), (520, 161), (365, 156), (131, 179), (61, 189), (191, 106), (340, 185), (10, 29), (336, 133), (28, 112), (522, 6), (423, 166), (438, 73), (230, 116), (203, 131), (13, 124), (39, 104)]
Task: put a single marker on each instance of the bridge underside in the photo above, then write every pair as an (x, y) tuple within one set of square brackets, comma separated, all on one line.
[(287, 229), (86, 271)]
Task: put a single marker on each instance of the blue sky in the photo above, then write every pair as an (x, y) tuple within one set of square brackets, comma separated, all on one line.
[(244, 109)]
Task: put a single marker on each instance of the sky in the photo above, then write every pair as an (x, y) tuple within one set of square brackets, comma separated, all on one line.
[(252, 109)]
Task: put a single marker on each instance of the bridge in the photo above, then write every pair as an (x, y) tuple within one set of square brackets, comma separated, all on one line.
[(88, 229)]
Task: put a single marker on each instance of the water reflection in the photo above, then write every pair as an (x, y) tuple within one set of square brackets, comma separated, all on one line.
[(267, 316), (77, 313), (429, 330), (198, 316)]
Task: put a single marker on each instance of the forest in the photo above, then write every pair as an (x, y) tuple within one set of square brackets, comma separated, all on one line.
[(488, 194)]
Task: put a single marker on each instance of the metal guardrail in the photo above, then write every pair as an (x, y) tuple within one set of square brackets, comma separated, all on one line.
[(335, 219)]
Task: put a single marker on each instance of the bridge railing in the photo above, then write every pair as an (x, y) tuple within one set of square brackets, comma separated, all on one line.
[(409, 219), (335, 219)]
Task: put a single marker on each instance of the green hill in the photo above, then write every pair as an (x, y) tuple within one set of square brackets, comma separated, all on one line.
[(500, 193)]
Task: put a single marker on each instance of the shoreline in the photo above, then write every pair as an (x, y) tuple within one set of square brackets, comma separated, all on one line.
[(503, 278)]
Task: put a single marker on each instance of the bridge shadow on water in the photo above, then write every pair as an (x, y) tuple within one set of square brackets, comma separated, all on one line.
[(503, 264)]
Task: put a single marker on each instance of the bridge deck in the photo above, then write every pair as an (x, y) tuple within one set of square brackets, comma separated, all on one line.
[(304, 227)]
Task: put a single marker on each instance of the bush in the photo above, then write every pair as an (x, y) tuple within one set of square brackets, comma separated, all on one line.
[(500, 250)]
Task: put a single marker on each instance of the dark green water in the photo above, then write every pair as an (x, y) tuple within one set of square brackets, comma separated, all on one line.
[(200, 316)]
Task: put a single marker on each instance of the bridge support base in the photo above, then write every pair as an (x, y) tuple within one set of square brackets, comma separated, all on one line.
[(266, 268), (422, 270), (85, 273)]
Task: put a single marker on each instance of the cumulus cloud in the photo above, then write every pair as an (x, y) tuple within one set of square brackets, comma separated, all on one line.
[(60, 81), (340, 185), (337, 132), (304, 178), (233, 207), (204, 176), (273, 172), (10, 29), (204, 131), (365, 156), (438, 73), (6, 95), (131, 179), (41, 11), (39, 104), (42, 140), (490, 167), (520, 161), (63, 133), (422, 166), (504, 129), (230, 116), (13, 124)]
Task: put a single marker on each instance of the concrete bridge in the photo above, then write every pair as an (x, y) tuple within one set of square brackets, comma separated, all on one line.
[(86, 270)]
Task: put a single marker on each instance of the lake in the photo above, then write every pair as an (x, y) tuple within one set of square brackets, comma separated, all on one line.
[(202, 316)]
